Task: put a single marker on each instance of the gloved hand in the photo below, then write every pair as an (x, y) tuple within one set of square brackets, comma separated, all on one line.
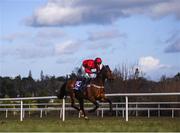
[(93, 75), (87, 75)]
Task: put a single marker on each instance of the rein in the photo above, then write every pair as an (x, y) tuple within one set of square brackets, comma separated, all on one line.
[(100, 76)]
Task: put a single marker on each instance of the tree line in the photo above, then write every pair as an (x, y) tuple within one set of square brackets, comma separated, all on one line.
[(29, 87)]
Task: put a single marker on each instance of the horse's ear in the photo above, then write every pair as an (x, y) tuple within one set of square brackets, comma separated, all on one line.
[(107, 66), (104, 66)]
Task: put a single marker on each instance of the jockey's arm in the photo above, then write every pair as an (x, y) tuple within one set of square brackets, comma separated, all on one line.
[(88, 71)]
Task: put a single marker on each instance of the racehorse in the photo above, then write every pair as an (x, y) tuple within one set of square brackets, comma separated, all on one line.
[(94, 91)]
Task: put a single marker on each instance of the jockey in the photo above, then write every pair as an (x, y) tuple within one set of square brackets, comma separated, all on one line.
[(89, 69)]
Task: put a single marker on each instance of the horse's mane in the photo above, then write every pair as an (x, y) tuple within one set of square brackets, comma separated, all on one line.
[(104, 68)]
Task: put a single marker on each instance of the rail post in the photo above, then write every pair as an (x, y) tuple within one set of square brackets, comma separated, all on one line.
[(6, 113), (21, 116), (63, 110), (126, 108), (116, 110)]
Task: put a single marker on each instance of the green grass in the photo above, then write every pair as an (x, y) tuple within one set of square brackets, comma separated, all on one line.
[(106, 124)]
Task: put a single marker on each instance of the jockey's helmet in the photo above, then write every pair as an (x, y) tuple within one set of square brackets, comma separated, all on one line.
[(98, 60)]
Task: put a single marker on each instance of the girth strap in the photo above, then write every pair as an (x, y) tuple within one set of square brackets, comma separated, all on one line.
[(97, 86)]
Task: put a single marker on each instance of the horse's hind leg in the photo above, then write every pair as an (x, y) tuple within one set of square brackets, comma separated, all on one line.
[(82, 112), (73, 103), (80, 98)]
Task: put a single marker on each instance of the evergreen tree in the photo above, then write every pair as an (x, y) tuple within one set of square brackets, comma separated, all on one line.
[(30, 74), (41, 75)]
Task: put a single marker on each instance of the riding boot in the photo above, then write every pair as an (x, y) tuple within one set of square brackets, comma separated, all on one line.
[(81, 87), (84, 83)]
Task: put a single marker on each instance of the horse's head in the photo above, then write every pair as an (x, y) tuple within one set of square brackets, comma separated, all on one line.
[(106, 73)]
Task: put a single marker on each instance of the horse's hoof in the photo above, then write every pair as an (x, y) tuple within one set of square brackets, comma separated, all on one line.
[(81, 114), (86, 118)]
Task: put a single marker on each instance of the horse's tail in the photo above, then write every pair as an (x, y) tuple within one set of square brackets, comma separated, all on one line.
[(62, 91)]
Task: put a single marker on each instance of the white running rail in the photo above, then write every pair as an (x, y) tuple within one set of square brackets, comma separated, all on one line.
[(126, 95)]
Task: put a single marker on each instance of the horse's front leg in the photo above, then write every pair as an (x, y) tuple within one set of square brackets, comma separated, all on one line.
[(105, 99), (93, 100)]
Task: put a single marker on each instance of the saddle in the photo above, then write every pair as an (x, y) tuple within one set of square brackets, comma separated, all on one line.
[(80, 85)]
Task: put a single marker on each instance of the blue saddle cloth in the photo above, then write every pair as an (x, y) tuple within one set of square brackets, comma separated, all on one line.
[(78, 85), (81, 84)]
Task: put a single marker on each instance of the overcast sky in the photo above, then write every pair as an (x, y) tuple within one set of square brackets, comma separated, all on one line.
[(56, 35)]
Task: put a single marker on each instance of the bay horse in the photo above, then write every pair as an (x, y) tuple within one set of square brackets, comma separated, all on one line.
[(94, 91)]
